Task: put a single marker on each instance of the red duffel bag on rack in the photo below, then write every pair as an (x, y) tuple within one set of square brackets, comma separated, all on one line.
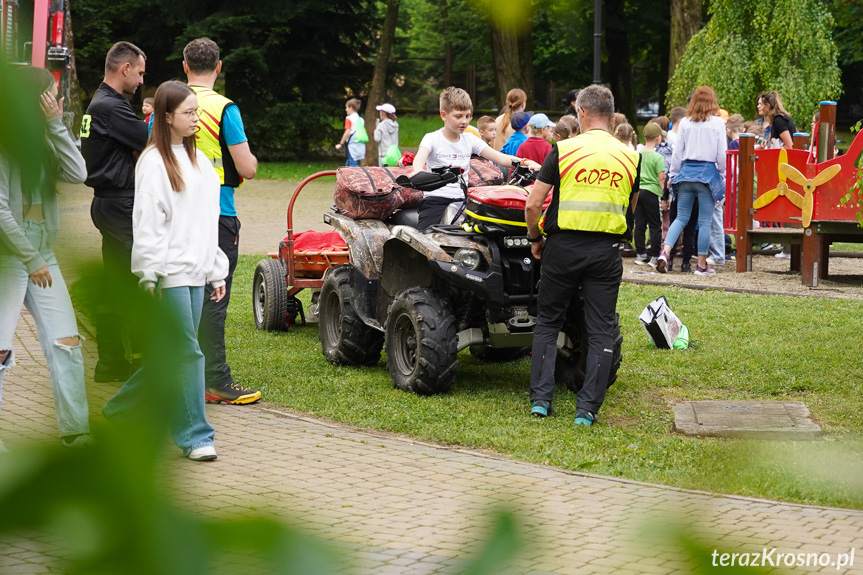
[(372, 193)]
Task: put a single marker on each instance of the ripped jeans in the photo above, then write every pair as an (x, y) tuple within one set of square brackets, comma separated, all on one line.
[(52, 311)]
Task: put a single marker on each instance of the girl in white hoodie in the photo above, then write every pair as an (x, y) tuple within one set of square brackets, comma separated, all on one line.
[(175, 254)]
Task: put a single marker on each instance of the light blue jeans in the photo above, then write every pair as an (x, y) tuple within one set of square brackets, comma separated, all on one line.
[(52, 311), (717, 233), (184, 388), (687, 194)]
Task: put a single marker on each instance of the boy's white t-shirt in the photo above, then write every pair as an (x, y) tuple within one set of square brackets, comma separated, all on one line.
[(443, 154)]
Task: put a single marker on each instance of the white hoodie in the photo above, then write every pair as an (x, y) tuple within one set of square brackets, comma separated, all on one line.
[(176, 234)]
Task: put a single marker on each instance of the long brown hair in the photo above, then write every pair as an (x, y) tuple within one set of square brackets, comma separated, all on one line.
[(169, 96), (515, 98), (772, 98), (702, 105)]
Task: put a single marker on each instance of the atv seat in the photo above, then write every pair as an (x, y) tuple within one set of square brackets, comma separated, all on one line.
[(408, 217)]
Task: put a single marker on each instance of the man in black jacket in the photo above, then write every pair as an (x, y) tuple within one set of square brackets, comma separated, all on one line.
[(112, 136)]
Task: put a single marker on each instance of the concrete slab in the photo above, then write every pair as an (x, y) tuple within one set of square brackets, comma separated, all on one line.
[(746, 419)]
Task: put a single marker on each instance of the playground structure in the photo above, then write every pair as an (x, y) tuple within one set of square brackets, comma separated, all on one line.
[(804, 191)]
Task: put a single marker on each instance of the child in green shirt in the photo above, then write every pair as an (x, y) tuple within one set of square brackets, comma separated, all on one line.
[(647, 214)]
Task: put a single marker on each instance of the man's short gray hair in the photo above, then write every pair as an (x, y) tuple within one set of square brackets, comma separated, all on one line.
[(596, 100)]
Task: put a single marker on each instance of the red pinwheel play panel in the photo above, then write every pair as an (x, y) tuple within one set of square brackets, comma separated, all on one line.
[(792, 188)]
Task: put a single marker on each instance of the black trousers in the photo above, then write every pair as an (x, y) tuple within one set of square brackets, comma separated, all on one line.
[(647, 216), (571, 260), (115, 313), (211, 332), (430, 210)]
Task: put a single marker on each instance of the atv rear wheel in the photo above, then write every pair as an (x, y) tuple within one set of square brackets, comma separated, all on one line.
[(345, 339), (270, 296), (421, 342), (572, 359)]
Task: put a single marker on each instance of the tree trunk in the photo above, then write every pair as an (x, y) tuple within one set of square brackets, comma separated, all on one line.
[(512, 57), (685, 22), (619, 63), (379, 80), (75, 96), (448, 55)]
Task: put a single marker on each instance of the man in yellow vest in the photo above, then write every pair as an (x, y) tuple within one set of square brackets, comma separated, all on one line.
[(594, 178), (222, 138)]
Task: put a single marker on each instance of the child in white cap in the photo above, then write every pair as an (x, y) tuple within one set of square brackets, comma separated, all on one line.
[(387, 136)]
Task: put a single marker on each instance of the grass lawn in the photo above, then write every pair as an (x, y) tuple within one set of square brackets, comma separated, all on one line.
[(747, 347)]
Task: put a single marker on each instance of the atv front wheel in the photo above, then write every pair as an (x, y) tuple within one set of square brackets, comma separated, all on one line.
[(421, 342), (270, 296), (345, 339), (572, 359)]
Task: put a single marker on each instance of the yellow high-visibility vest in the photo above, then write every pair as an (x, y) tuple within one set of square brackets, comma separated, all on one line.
[(209, 137), (597, 173)]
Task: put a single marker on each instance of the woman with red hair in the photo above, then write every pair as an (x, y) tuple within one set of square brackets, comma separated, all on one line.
[(697, 173)]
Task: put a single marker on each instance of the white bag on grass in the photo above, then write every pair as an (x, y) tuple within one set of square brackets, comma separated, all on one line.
[(663, 326)]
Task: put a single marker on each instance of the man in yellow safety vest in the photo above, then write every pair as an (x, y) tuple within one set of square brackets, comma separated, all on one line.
[(223, 140), (594, 178)]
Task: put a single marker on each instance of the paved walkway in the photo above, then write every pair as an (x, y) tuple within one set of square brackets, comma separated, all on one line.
[(401, 506)]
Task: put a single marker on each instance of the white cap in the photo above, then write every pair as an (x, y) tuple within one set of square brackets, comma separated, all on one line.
[(388, 108)]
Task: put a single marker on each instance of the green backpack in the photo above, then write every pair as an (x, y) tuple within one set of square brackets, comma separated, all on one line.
[(360, 134)]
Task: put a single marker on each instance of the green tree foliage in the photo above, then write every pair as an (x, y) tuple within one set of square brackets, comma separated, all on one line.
[(750, 46), (288, 65)]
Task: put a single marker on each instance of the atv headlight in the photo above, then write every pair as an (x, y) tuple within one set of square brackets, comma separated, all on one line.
[(468, 258)]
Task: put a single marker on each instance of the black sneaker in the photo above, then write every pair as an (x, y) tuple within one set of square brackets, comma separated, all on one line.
[(232, 393), (685, 267), (541, 408), (107, 372), (584, 417)]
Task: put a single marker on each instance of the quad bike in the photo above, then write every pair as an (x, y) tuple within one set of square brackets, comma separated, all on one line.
[(425, 296)]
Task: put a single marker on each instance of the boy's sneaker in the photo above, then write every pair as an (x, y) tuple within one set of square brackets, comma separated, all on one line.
[(685, 267), (541, 408), (206, 453), (232, 393), (783, 256), (642, 259), (704, 271), (662, 263), (714, 262), (584, 417), (653, 262)]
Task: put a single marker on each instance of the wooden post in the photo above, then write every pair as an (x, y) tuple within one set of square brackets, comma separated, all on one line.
[(827, 131), (815, 245), (800, 140), (813, 250), (745, 193)]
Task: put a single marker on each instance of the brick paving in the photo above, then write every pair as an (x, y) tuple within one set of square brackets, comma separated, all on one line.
[(393, 505)]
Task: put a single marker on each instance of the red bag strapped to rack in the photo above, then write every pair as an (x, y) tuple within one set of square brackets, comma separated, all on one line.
[(373, 193), (498, 209)]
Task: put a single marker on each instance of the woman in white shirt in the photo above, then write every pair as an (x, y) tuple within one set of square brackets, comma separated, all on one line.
[(175, 254), (697, 173)]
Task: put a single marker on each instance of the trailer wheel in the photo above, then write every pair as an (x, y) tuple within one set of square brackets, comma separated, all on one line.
[(421, 342), (345, 339), (572, 359), (270, 296)]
